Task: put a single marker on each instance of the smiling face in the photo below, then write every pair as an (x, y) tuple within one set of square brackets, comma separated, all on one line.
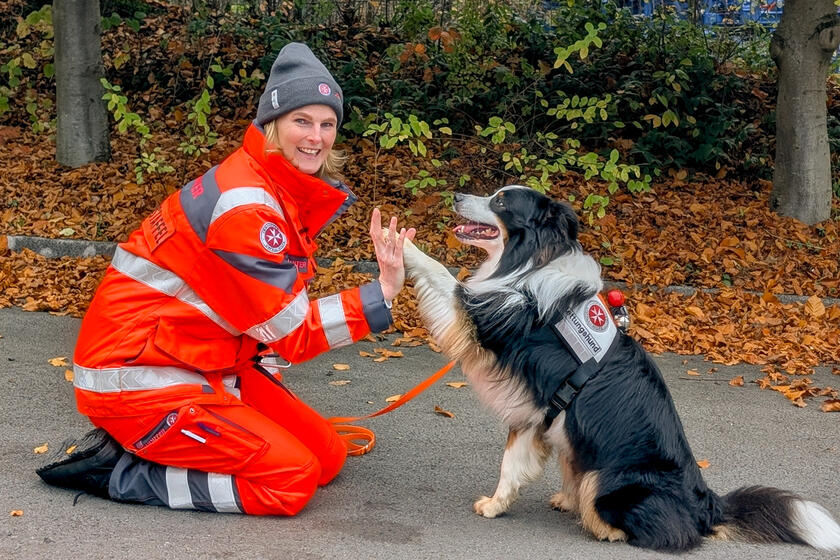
[(306, 135)]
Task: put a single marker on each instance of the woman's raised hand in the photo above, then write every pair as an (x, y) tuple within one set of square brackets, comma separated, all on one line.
[(388, 245)]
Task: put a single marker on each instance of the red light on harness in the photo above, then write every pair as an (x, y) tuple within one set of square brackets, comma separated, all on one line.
[(615, 298)]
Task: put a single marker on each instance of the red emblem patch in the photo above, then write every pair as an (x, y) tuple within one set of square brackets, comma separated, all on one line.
[(597, 316), (324, 89), (272, 238)]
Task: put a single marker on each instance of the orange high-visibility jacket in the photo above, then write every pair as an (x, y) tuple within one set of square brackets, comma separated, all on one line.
[(213, 276)]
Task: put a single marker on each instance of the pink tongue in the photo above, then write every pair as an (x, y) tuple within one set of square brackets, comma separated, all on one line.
[(468, 228)]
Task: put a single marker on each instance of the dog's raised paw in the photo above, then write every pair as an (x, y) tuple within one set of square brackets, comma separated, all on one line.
[(488, 507), (562, 501), (412, 256)]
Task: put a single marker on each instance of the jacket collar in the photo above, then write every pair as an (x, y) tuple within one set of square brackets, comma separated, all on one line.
[(316, 202)]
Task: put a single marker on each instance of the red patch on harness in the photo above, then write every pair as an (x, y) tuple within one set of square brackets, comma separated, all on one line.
[(597, 316)]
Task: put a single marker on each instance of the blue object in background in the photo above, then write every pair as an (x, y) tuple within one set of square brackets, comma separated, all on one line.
[(716, 12)]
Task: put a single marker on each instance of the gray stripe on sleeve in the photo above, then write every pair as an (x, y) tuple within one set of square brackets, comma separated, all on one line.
[(280, 275), (198, 199), (376, 313)]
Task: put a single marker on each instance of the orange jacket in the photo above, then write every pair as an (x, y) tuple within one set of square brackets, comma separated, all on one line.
[(213, 276)]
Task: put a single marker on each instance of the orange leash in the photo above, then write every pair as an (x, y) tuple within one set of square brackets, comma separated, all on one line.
[(354, 434)]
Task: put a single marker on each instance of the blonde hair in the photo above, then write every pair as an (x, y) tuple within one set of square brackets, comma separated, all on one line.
[(331, 168)]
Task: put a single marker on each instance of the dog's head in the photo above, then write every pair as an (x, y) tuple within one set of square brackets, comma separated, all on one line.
[(518, 227)]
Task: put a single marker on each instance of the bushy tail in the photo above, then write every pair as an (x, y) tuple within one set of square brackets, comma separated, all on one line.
[(761, 514)]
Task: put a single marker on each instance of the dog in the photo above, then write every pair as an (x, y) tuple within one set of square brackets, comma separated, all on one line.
[(542, 352)]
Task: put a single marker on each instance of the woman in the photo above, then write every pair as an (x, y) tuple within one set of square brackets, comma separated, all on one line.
[(172, 364)]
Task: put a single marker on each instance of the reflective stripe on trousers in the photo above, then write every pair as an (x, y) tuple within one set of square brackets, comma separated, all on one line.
[(136, 480)]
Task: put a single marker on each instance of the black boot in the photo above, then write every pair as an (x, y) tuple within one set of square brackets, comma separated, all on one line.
[(87, 466)]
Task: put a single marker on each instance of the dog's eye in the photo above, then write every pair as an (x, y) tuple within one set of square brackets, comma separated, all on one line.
[(498, 202)]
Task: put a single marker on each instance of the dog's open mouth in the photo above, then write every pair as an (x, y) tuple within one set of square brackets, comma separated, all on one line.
[(474, 230)]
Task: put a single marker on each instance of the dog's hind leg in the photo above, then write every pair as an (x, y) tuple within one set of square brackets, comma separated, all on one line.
[(523, 461), (590, 519), (567, 499)]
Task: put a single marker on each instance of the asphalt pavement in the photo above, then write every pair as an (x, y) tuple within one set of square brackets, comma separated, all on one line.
[(411, 497)]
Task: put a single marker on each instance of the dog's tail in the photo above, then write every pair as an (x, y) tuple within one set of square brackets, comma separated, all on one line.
[(762, 514)]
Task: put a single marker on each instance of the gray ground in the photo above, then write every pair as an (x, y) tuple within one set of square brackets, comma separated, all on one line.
[(411, 497)]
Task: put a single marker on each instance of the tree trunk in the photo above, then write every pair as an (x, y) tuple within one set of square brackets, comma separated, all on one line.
[(82, 127), (802, 46)]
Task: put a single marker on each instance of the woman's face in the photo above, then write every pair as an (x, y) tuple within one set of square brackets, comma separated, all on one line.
[(306, 135)]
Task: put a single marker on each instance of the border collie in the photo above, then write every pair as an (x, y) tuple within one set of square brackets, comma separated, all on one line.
[(542, 351)]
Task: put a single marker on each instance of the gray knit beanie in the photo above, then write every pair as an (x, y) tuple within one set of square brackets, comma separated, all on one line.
[(297, 79)]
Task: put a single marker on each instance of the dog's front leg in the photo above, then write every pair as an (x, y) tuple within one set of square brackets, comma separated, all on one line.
[(524, 460), (426, 271), (435, 287)]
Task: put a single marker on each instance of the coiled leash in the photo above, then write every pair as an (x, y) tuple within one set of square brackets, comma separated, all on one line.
[(360, 440), (347, 432)]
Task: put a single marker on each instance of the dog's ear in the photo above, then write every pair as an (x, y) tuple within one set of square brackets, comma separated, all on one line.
[(565, 219), (559, 234)]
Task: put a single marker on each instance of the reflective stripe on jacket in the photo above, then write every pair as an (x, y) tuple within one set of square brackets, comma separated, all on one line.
[(221, 267)]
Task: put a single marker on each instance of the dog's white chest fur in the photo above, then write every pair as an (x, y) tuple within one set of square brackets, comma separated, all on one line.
[(504, 396)]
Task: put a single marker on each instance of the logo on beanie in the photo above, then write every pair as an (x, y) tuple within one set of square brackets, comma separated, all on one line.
[(272, 238), (324, 89)]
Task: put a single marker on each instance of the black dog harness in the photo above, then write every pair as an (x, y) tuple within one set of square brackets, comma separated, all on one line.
[(590, 334)]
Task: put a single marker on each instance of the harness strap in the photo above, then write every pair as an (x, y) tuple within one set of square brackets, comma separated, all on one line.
[(571, 386), (590, 335)]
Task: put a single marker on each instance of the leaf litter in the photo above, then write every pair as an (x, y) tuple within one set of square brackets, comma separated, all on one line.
[(715, 237)]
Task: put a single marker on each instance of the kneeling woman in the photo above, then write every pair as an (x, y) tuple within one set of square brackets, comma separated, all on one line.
[(170, 361)]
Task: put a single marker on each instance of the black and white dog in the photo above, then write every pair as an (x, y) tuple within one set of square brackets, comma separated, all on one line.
[(541, 350)]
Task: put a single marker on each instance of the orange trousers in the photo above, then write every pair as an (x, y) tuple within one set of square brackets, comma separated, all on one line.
[(277, 449)]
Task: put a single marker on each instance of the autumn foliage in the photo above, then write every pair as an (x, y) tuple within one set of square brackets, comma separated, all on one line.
[(706, 267)]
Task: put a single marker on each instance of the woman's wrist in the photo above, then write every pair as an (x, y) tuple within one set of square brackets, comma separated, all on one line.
[(388, 293)]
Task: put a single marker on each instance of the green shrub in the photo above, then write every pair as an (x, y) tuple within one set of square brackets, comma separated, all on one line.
[(659, 91)]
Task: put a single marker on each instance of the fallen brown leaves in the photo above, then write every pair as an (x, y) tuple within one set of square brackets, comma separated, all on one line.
[(736, 327), (340, 382), (716, 237), (62, 286), (712, 233), (443, 412), (797, 390)]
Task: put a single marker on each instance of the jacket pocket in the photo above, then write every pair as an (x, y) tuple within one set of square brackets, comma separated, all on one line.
[(195, 438)]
